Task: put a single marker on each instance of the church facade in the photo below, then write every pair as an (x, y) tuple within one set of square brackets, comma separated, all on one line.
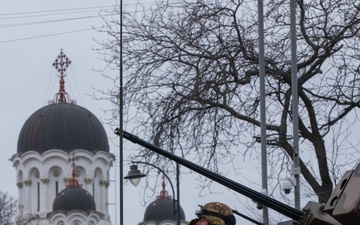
[(62, 167), (59, 144)]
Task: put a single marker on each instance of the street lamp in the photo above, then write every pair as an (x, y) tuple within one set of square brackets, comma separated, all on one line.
[(135, 175)]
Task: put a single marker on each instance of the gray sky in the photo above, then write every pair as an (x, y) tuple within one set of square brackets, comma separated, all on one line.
[(32, 34)]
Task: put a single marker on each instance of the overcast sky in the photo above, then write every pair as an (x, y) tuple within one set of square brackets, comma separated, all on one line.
[(32, 34)]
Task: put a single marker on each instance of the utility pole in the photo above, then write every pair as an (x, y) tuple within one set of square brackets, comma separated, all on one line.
[(121, 146), (262, 107), (294, 89)]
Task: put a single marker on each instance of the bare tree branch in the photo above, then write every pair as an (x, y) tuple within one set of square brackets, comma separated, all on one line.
[(192, 74)]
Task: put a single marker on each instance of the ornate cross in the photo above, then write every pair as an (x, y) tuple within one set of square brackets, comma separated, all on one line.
[(61, 63)]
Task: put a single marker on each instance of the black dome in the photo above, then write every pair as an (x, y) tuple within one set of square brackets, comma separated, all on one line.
[(62, 126), (74, 198), (162, 209)]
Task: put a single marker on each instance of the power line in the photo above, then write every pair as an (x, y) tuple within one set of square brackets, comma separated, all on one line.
[(52, 21), (62, 11), (49, 21), (53, 14), (56, 10), (65, 11), (45, 35)]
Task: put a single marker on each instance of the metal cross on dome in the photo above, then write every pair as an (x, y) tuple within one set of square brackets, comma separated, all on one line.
[(61, 63), (73, 181)]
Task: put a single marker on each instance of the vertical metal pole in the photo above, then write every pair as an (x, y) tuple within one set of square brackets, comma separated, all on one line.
[(115, 197), (294, 89), (178, 194), (121, 118), (262, 107)]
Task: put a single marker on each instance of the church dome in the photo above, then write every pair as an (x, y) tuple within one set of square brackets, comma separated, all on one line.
[(74, 198), (162, 208), (63, 126)]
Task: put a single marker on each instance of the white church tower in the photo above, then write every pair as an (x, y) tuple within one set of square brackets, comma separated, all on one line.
[(53, 189)]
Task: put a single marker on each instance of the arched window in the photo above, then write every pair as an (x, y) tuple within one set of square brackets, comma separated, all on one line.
[(38, 196), (56, 183), (56, 188), (34, 198), (76, 222)]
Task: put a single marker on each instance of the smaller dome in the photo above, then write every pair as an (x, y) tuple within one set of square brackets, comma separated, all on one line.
[(74, 198), (162, 209)]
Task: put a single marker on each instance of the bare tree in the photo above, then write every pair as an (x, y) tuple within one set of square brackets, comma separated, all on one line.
[(191, 72), (8, 209)]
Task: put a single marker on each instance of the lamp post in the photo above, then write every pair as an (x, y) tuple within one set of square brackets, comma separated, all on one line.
[(121, 115), (262, 107), (295, 101), (135, 175)]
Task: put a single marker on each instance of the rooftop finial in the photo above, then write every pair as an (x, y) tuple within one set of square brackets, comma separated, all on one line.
[(163, 192), (61, 63), (73, 181)]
